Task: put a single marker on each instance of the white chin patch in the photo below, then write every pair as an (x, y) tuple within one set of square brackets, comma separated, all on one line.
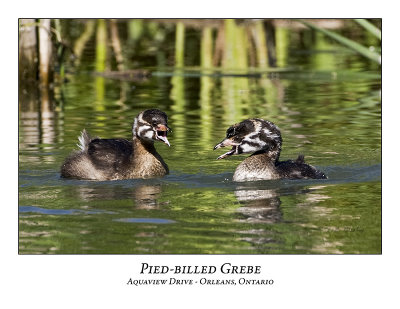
[(145, 131), (149, 134), (247, 148)]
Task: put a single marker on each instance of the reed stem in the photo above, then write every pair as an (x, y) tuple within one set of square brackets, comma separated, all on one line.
[(206, 52), (101, 45), (45, 52), (179, 44)]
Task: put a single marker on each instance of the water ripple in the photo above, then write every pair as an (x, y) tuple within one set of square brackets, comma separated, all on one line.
[(145, 220), (49, 211)]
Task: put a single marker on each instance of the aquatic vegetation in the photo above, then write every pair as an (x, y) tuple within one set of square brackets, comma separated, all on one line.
[(365, 51)]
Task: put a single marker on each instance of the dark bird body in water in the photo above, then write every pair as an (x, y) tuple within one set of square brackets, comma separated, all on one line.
[(117, 158), (263, 139)]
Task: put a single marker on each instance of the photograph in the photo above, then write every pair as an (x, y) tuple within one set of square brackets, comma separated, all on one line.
[(218, 136)]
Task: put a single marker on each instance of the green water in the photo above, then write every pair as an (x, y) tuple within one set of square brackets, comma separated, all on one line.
[(328, 108)]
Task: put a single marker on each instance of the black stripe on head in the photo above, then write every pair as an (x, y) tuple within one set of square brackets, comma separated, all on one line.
[(240, 129), (254, 136), (253, 144), (154, 117)]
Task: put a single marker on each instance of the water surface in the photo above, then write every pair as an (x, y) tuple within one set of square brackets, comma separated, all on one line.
[(332, 115)]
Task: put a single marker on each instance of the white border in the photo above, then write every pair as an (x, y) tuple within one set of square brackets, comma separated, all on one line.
[(99, 281)]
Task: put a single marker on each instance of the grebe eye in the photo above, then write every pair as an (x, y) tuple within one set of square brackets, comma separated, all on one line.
[(230, 132), (154, 123)]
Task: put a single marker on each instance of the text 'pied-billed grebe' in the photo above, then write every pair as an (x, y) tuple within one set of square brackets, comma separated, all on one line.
[(263, 139), (117, 158)]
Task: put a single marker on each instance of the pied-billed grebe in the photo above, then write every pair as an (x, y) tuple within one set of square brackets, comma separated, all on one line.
[(263, 139), (117, 158)]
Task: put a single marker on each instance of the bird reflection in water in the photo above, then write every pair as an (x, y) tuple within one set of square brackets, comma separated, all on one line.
[(264, 205), (258, 206), (144, 196)]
